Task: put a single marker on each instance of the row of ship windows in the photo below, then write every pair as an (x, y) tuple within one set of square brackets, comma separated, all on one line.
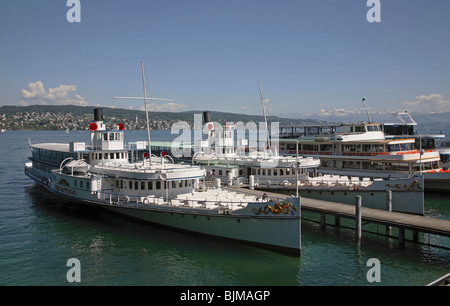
[(108, 136), (427, 143), (350, 147), (51, 156), (152, 185), (262, 171), (100, 156), (398, 166), (274, 172), (88, 185)]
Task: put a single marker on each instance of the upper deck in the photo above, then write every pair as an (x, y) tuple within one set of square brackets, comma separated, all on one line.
[(395, 149)]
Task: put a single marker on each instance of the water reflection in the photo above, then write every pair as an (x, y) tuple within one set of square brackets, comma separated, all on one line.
[(116, 250)]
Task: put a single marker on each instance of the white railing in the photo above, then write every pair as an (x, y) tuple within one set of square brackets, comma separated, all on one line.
[(219, 200), (325, 181)]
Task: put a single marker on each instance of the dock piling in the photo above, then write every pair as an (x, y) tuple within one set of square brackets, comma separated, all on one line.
[(415, 236), (358, 216), (323, 221), (389, 200), (337, 221), (401, 236), (388, 207)]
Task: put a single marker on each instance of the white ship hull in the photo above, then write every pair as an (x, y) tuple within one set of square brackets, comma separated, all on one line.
[(406, 202), (437, 181), (433, 181), (263, 231), (363, 150), (407, 194), (255, 223)]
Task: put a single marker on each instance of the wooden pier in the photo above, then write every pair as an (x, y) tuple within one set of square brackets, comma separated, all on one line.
[(402, 221)]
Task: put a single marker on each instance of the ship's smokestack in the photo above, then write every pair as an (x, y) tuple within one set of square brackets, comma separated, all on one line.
[(98, 114), (206, 117), (97, 124)]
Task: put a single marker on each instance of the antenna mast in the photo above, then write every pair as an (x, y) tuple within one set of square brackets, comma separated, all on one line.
[(264, 113), (367, 111), (146, 115), (146, 108)]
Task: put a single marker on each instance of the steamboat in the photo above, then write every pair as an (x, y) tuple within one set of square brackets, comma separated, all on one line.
[(159, 191), (362, 150), (224, 158), (444, 151)]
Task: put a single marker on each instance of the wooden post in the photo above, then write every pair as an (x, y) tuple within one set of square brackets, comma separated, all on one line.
[(389, 200), (401, 236), (415, 236), (358, 216), (323, 221)]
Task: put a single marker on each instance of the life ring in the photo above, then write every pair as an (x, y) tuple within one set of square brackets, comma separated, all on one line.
[(267, 183), (145, 201), (126, 199)]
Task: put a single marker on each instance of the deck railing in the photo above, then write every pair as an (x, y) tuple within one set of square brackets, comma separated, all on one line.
[(222, 201)]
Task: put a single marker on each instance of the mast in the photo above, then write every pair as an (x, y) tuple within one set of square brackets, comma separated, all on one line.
[(146, 115), (146, 108), (264, 113), (367, 111), (296, 170)]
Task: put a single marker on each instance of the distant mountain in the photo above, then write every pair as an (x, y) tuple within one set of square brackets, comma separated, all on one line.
[(437, 121), (233, 117), (57, 117), (424, 121), (61, 117)]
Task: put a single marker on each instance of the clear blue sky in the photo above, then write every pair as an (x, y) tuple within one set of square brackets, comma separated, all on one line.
[(311, 56)]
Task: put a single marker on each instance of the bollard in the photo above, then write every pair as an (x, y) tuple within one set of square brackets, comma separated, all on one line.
[(251, 181), (358, 216), (196, 183), (230, 179)]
